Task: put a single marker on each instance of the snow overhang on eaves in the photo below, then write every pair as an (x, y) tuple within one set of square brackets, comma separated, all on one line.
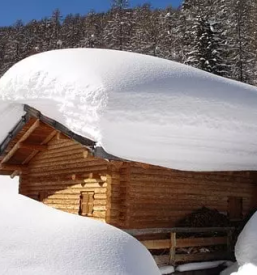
[(31, 112)]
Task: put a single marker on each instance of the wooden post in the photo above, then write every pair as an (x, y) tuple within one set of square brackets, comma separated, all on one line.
[(230, 241), (173, 248)]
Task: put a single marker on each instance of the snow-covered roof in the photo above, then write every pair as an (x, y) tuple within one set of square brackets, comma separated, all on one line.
[(37, 239), (138, 107)]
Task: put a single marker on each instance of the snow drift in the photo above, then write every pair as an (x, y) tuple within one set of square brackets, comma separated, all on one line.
[(245, 251), (36, 239), (246, 246), (138, 107)]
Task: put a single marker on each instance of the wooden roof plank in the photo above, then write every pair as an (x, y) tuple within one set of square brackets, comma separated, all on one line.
[(23, 138)]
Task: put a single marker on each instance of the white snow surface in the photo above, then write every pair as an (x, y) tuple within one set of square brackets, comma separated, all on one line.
[(165, 270), (36, 239), (247, 269), (230, 269), (138, 107), (200, 266), (246, 246)]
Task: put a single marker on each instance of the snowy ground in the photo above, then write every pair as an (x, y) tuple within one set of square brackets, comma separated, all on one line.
[(8, 185)]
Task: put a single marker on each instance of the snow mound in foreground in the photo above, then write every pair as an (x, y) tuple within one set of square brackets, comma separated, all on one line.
[(35, 239), (247, 269), (138, 107), (246, 246)]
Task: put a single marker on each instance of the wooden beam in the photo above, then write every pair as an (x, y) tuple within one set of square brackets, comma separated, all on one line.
[(173, 245), (45, 141), (87, 154), (149, 231), (36, 147), (10, 167), (23, 138), (208, 241), (157, 244), (185, 242), (60, 136), (117, 164), (203, 257), (14, 174)]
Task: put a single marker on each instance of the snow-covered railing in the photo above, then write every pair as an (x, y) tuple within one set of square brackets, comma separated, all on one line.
[(186, 249)]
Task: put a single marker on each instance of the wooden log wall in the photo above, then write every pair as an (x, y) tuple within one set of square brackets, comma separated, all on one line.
[(161, 197), (59, 175), (118, 199)]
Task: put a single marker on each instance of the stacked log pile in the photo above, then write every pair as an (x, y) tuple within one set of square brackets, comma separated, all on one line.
[(205, 217)]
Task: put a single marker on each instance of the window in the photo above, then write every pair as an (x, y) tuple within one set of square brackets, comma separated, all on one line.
[(86, 204), (235, 208)]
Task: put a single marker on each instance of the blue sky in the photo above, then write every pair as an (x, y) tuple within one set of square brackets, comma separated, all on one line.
[(11, 10)]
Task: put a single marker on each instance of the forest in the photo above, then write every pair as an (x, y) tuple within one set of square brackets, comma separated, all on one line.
[(218, 36)]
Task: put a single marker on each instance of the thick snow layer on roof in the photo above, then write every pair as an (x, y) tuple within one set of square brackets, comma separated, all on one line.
[(139, 107), (36, 239)]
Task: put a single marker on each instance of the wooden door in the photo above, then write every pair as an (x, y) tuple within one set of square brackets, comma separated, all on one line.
[(86, 203)]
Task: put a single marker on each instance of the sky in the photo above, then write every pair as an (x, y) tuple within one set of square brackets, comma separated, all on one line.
[(26, 10)]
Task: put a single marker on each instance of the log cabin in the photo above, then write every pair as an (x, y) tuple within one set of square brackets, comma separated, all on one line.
[(137, 96), (66, 171)]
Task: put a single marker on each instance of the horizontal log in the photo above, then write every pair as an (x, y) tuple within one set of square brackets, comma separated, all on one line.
[(192, 189), (182, 258), (61, 136), (185, 242), (36, 147), (99, 202), (99, 208), (99, 214), (10, 167), (62, 188), (184, 183), (194, 242), (69, 192), (64, 170), (62, 201), (157, 244), (64, 207), (150, 231), (58, 156), (71, 158), (161, 259)]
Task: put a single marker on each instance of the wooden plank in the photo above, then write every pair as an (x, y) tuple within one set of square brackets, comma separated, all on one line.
[(36, 147), (186, 242), (61, 136), (14, 174), (180, 258), (173, 245), (157, 244), (23, 138), (45, 141), (149, 231), (193, 242), (9, 167), (161, 259)]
